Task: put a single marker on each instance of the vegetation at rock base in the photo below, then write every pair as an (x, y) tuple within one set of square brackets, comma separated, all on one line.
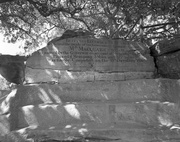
[(38, 21)]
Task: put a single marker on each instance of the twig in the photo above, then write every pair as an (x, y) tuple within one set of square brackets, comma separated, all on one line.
[(81, 20), (40, 7), (21, 29), (91, 15), (4, 1), (47, 30), (161, 24), (133, 27), (120, 26)]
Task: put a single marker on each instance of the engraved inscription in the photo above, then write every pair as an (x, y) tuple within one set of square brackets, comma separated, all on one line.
[(93, 51)]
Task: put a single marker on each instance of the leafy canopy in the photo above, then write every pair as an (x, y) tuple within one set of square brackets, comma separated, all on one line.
[(38, 21)]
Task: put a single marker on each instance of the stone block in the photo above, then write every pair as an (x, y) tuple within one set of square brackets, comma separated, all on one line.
[(124, 91), (88, 54), (70, 77), (165, 46), (7, 97), (15, 136), (99, 115), (39, 75), (110, 135), (169, 65), (4, 125), (123, 76), (48, 75), (5, 85)]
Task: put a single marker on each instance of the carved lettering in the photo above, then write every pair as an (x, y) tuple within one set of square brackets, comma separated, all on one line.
[(92, 52)]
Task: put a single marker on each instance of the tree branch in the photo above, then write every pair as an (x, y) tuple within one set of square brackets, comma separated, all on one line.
[(21, 29), (46, 11), (133, 27), (161, 24), (118, 29), (92, 14), (4, 1), (47, 30), (17, 16), (82, 21)]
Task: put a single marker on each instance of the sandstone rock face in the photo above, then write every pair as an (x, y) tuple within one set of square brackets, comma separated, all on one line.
[(119, 135), (99, 115), (85, 89), (124, 91), (104, 110), (5, 103), (49, 75), (11, 73), (82, 54), (87, 59), (5, 85)]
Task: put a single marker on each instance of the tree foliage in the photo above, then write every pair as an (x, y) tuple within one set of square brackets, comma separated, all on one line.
[(37, 21)]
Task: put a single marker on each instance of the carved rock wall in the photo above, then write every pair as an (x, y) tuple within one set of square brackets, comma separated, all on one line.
[(89, 59), (86, 89)]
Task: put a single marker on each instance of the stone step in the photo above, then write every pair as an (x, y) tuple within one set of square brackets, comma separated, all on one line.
[(97, 115), (123, 91), (91, 135)]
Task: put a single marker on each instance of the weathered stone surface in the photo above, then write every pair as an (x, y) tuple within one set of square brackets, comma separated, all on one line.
[(124, 91), (39, 75), (85, 54), (169, 65), (165, 46), (4, 125), (134, 110), (131, 122), (4, 84), (110, 135), (99, 115), (69, 77), (47, 75), (123, 76), (115, 92), (15, 136)]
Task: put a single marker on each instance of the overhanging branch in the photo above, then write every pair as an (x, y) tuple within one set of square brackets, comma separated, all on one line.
[(4, 1), (133, 27), (161, 24)]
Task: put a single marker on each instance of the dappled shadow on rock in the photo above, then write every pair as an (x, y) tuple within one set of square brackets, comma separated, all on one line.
[(133, 111), (84, 89)]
